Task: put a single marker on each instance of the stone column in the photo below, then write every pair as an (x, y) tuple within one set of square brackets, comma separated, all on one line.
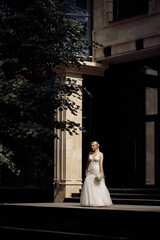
[(68, 153), (68, 149)]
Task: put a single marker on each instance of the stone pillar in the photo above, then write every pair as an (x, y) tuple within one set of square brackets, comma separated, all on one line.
[(68, 149), (68, 154)]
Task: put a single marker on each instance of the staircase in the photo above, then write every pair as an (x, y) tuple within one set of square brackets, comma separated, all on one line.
[(128, 196), (54, 222), (136, 196)]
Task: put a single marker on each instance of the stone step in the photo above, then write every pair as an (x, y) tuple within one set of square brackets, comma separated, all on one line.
[(73, 199), (128, 196), (135, 190), (135, 196), (129, 191), (149, 202), (130, 201), (26, 234), (48, 222)]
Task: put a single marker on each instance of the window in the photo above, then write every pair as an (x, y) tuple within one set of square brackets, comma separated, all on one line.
[(150, 153), (80, 10), (151, 124), (151, 101), (129, 8)]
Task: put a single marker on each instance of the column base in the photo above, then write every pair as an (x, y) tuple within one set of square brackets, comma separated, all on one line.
[(65, 190)]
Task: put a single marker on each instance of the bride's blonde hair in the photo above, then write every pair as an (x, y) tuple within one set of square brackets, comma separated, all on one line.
[(94, 142)]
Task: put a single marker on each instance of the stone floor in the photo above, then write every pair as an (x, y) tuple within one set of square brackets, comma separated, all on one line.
[(118, 207)]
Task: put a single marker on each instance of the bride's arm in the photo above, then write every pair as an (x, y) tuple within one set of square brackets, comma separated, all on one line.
[(101, 163)]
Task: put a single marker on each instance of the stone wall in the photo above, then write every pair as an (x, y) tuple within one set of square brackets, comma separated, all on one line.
[(121, 36)]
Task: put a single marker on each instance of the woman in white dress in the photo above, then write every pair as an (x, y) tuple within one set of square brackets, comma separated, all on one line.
[(94, 191)]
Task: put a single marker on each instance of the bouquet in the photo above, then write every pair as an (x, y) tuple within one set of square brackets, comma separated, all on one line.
[(99, 176)]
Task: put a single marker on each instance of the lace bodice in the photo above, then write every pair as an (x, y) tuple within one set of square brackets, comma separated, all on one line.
[(94, 159), (93, 167)]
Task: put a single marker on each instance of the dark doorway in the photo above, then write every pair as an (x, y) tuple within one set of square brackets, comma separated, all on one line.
[(116, 117), (110, 118), (97, 120)]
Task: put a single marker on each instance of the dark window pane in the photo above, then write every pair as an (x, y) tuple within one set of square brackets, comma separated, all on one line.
[(82, 7), (80, 10), (129, 8)]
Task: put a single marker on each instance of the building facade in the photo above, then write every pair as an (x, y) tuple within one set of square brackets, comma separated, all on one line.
[(123, 114)]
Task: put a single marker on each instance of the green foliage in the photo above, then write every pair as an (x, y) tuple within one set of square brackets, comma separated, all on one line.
[(5, 157), (36, 36)]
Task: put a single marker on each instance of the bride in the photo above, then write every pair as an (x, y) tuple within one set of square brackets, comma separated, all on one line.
[(94, 191)]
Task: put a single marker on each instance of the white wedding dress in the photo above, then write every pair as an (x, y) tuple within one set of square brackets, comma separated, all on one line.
[(94, 192)]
